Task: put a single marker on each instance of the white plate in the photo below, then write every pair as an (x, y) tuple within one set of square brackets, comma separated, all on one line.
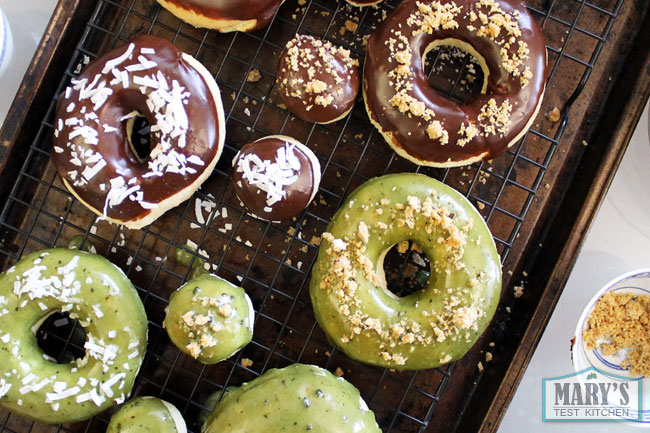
[(6, 43), (635, 282)]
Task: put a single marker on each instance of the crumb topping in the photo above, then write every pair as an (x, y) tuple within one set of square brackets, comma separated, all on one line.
[(327, 68), (495, 119), (349, 265), (200, 328), (502, 28), (622, 321)]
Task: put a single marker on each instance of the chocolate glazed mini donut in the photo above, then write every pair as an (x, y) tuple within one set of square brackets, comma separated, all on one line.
[(275, 177), (317, 80), (422, 125), (93, 152), (361, 3), (224, 15)]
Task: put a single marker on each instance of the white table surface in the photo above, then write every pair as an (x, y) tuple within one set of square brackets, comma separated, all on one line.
[(619, 240), (27, 19)]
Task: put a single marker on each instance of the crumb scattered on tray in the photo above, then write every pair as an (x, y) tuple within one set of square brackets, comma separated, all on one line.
[(519, 291), (338, 372), (554, 115), (624, 321), (254, 76), (245, 362)]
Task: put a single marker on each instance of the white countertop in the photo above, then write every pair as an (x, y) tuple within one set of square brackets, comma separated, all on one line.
[(27, 20), (619, 240)]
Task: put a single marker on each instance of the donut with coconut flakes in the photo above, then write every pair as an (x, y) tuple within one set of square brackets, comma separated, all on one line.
[(275, 177), (424, 126), (93, 150)]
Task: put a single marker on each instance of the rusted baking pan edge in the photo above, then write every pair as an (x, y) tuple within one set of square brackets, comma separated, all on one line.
[(568, 223)]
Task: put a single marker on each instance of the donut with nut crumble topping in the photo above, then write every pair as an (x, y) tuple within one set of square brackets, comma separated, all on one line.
[(94, 148), (425, 329), (96, 293), (317, 80), (209, 319), (224, 15), (424, 126), (275, 177)]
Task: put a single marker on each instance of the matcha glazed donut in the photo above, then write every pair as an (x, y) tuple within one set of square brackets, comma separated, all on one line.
[(147, 415), (209, 319), (293, 399), (434, 326), (101, 297)]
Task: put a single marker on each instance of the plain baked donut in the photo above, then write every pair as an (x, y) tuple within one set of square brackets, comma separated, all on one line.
[(151, 78), (101, 297), (428, 328), (422, 125), (224, 15)]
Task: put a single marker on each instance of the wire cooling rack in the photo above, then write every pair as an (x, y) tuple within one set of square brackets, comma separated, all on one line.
[(272, 261)]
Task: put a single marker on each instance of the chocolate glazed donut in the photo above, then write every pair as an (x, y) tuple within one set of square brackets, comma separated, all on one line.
[(224, 15), (93, 153), (422, 125)]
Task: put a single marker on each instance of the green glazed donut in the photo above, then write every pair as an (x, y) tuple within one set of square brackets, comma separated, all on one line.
[(294, 399), (147, 415), (209, 319), (434, 326), (101, 297)]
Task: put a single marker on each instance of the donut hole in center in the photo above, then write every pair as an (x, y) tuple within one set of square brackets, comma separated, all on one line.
[(139, 134), (61, 338), (406, 268), (455, 70)]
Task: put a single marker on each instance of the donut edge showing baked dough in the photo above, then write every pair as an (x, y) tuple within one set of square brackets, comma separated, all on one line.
[(393, 142), (221, 25), (187, 192), (361, 5), (316, 168)]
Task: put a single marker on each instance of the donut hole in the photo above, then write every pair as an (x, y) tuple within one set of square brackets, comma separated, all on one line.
[(406, 268), (139, 133), (61, 338), (458, 73)]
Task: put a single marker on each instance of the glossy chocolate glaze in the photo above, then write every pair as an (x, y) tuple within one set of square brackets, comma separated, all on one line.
[(410, 132), (236, 10), (202, 138), (336, 69), (298, 195)]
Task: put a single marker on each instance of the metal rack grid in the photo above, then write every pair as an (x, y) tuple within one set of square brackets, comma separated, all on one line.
[(272, 261)]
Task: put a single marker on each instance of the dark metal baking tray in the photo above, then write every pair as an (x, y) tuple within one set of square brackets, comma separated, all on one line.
[(538, 198)]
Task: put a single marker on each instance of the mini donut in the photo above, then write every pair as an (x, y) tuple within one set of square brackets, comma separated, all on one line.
[(361, 3), (423, 126), (293, 399), (275, 177), (151, 78), (431, 327), (147, 415), (224, 15), (317, 80), (101, 297), (209, 319)]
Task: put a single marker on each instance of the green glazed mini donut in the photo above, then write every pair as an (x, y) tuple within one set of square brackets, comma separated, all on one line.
[(294, 399), (431, 327), (101, 297), (147, 415), (209, 319)]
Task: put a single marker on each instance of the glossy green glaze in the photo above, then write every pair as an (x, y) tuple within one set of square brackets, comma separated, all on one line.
[(100, 296), (296, 399), (209, 319), (436, 325), (147, 415)]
